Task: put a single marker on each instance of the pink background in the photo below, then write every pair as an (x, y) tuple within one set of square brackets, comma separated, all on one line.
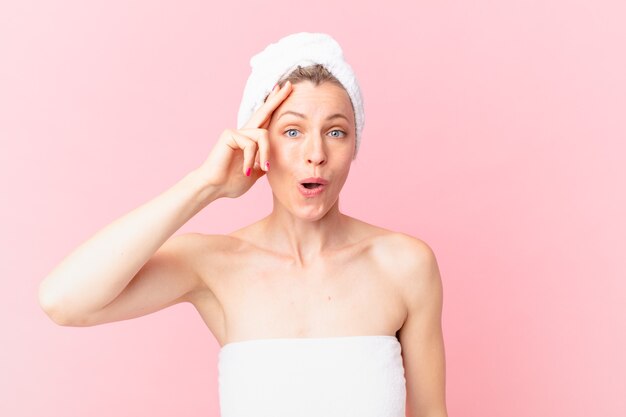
[(494, 131)]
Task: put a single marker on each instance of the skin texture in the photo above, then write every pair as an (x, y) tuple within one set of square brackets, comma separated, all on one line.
[(311, 147)]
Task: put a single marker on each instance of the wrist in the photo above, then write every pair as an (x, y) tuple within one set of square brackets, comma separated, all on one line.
[(204, 192)]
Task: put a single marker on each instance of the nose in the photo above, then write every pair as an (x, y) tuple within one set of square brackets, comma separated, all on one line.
[(315, 152)]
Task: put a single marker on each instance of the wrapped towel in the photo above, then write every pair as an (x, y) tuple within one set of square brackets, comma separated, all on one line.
[(350, 376), (279, 59)]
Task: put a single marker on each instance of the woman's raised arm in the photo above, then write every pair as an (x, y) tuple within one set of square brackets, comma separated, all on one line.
[(100, 269), (133, 266)]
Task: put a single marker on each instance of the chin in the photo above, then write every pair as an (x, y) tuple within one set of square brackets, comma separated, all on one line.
[(313, 210), (310, 213)]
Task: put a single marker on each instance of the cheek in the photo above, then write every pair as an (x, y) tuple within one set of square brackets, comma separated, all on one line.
[(279, 151)]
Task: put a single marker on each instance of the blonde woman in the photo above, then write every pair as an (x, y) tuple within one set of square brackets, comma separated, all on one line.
[(317, 313)]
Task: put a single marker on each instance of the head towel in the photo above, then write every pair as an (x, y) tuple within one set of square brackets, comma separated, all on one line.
[(279, 59)]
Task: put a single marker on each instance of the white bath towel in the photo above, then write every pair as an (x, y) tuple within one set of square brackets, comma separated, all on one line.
[(350, 376), (278, 59)]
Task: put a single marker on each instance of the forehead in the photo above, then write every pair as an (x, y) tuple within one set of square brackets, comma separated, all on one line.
[(316, 101)]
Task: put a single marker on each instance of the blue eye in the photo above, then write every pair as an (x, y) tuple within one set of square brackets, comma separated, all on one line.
[(335, 136), (289, 130)]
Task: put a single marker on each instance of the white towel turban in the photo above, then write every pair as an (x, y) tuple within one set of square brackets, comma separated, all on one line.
[(279, 59)]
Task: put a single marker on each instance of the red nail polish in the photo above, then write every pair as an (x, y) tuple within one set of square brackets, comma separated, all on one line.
[(248, 172), (267, 165)]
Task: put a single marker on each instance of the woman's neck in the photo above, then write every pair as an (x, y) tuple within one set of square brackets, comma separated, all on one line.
[(303, 239)]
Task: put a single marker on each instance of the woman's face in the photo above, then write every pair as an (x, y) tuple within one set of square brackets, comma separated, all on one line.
[(311, 134)]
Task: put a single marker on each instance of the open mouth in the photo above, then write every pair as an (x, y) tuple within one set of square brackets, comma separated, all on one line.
[(310, 185)]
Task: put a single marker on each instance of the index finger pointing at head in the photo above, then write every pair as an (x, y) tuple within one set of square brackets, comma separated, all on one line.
[(264, 112)]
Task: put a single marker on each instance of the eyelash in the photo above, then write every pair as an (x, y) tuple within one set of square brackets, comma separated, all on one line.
[(334, 130)]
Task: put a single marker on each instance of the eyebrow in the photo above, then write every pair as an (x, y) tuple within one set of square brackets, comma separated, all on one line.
[(332, 116)]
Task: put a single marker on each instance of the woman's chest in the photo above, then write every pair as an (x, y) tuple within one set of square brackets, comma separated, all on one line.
[(259, 298)]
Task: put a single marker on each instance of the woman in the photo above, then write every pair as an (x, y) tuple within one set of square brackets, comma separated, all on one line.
[(316, 312)]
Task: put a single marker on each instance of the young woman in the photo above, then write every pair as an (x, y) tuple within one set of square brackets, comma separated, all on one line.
[(316, 312)]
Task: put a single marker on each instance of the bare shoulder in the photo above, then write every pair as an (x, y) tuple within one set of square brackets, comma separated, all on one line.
[(405, 251), (420, 279), (201, 242), (411, 263), (203, 253), (397, 249)]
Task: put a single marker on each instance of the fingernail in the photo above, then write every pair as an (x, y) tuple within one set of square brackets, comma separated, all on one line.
[(267, 165), (248, 172)]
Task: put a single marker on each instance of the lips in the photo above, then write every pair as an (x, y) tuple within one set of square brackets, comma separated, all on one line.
[(314, 180), (312, 186)]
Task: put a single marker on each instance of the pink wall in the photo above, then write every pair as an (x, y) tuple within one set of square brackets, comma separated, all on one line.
[(495, 132)]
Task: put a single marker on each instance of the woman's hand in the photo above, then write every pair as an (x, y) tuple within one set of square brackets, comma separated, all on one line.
[(240, 156)]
